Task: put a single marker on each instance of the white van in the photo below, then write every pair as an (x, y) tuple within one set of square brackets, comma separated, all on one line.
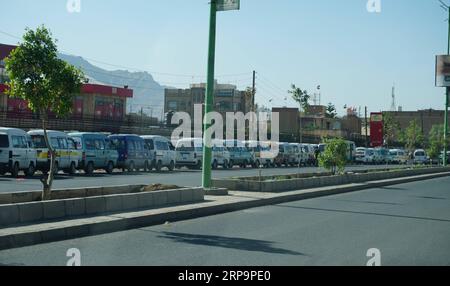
[(67, 155), (16, 152), (164, 154), (189, 153), (260, 151)]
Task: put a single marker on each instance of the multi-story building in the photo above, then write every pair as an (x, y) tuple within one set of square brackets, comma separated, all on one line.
[(426, 119), (313, 125), (227, 98), (96, 106)]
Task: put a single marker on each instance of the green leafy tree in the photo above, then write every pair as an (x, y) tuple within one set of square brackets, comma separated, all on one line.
[(390, 128), (302, 97), (412, 137), (334, 158), (47, 83), (436, 141), (331, 111)]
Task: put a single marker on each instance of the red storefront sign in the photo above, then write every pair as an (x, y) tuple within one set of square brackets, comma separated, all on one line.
[(376, 130)]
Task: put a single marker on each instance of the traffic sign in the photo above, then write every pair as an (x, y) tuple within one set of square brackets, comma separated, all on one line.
[(226, 5)]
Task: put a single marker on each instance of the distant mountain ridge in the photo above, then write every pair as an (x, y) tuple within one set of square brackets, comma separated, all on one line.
[(147, 92)]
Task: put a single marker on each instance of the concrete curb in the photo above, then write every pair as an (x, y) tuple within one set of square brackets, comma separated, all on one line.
[(35, 212), (30, 235)]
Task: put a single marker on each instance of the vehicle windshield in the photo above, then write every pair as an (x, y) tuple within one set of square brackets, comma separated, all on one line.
[(4, 143)]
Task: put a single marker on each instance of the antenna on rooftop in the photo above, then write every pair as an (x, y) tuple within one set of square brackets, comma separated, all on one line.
[(394, 103)]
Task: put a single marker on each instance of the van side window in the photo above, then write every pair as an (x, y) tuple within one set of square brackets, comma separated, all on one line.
[(62, 143), (150, 144), (162, 146), (139, 145), (54, 142), (4, 142), (19, 142), (131, 145), (99, 144), (71, 144), (90, 144)]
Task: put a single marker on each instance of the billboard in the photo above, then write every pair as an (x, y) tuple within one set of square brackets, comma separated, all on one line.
[(376, 130), (443, 71)]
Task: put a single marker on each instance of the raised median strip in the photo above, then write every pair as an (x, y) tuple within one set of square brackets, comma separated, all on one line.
[(18, 236), (284, 183), (30, 212)]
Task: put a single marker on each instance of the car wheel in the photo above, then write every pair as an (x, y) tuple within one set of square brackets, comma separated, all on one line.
[(131, 167), (56, 169), (146, 167), (72, 169), (215, 165), (15, 170), (225, 165), (89, 170), (30, 171), (109, 168), (171, 166), (159, 166), (231, 164)]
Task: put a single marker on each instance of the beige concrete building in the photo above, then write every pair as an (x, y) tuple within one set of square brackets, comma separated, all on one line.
[(227, 98)]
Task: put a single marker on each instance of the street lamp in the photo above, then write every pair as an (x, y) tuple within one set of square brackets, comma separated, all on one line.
[(216, 5)]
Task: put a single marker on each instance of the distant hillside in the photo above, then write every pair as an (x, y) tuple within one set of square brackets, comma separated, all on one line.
[(147, 92)]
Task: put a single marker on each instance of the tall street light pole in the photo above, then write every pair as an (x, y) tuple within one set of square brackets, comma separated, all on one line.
[(447, 94), (216, 5)]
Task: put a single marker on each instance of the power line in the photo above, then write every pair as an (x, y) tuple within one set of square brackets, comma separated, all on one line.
[(137, 69)]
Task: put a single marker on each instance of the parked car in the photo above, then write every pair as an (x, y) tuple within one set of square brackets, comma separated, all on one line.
[(311, 154), (364, 155), (261, 153), (240, 155), (67, 156), (420, 157), (398, 156), (163, 152), (300, 152), (286, 156), (96, 152), (133, 153), (190, 154), (220, 155), (16, 152), (381, 156)]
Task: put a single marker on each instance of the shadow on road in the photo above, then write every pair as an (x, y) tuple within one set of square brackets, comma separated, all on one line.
[(227, 242), (365, 213)]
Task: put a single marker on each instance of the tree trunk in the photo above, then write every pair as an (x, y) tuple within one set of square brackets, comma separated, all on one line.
[(47, 180)]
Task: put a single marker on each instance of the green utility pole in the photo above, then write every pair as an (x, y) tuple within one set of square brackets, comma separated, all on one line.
[(216, 5), (209, 98)]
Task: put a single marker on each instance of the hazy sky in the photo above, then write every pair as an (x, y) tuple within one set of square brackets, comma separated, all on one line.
[(354, 55)]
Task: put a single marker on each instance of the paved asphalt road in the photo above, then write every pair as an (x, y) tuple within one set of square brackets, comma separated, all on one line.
[(409, 224), (184, 177)]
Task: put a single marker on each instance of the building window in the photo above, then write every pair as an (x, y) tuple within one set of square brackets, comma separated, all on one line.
[(173, 105)]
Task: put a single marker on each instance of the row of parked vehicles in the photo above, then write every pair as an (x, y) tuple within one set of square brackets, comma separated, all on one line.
[(28, 152), (88, 152), (377, 156)]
